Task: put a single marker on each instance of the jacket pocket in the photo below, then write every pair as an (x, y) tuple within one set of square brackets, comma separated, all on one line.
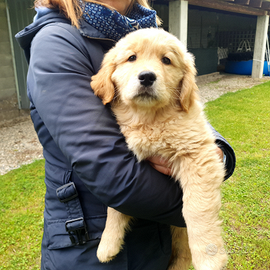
[(59, 253), (81, 257), (58, 237)]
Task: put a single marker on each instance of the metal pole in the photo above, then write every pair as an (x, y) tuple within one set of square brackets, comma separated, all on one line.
[(13, 55)]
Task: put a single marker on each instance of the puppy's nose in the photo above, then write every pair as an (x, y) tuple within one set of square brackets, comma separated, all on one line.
[(147, 78)]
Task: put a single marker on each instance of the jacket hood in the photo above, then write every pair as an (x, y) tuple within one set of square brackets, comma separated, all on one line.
[(25, 36)]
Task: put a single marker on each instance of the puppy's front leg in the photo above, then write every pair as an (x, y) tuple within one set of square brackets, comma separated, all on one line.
[(201, 205), (113, 235), (181, 256)]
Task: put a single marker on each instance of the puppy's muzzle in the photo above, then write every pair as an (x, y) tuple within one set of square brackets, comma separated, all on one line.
[(147, 78), (146, 91)]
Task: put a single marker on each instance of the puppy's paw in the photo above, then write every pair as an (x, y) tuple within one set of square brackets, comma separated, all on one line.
[(210, 259), (107, 251), (180, 264)]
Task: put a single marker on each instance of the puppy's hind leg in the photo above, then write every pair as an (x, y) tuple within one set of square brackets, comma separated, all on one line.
[(181, 256), (113, 235)]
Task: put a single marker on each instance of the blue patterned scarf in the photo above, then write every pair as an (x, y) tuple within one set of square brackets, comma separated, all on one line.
[(114, 25)]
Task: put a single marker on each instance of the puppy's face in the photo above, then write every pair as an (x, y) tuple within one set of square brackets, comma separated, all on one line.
[(148, 73), (148, 68)]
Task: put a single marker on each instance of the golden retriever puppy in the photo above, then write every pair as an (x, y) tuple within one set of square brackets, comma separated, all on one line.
[(149, 78)]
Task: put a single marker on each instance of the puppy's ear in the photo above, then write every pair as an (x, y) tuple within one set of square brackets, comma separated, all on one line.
[(188, 87), (101, 83)]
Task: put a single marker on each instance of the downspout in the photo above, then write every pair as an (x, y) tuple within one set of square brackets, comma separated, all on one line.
[(13, 56)]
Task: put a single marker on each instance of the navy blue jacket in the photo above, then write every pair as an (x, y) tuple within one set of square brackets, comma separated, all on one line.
[(82, 144)]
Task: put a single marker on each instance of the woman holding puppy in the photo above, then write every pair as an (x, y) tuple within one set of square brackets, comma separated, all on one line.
[(88, 166)]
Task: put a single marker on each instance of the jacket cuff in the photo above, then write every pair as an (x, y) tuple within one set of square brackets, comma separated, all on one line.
[(230, 157)]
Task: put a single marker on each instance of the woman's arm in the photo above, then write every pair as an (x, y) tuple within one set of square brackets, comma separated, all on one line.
[(224, 150)]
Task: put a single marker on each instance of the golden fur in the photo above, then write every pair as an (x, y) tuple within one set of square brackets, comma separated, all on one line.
[(164, 118)]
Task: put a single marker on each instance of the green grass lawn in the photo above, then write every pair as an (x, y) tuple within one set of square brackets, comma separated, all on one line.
[(21, 217), (242, 117)]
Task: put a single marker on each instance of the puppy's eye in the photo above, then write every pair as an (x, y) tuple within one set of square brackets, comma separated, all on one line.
[(166, 60), (132, 58)]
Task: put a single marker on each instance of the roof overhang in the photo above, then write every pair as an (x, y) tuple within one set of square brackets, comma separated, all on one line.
[(248, 7)]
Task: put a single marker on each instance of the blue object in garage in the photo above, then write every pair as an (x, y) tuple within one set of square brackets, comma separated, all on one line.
[(243, 67)]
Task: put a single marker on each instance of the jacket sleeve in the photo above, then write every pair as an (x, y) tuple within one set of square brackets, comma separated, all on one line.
[(228, 152), (86, 132)]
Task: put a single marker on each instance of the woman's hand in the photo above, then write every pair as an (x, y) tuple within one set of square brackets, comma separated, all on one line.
[(220, 153), (162, 165)]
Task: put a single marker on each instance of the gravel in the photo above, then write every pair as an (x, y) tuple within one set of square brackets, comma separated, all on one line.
[(19, 143)]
